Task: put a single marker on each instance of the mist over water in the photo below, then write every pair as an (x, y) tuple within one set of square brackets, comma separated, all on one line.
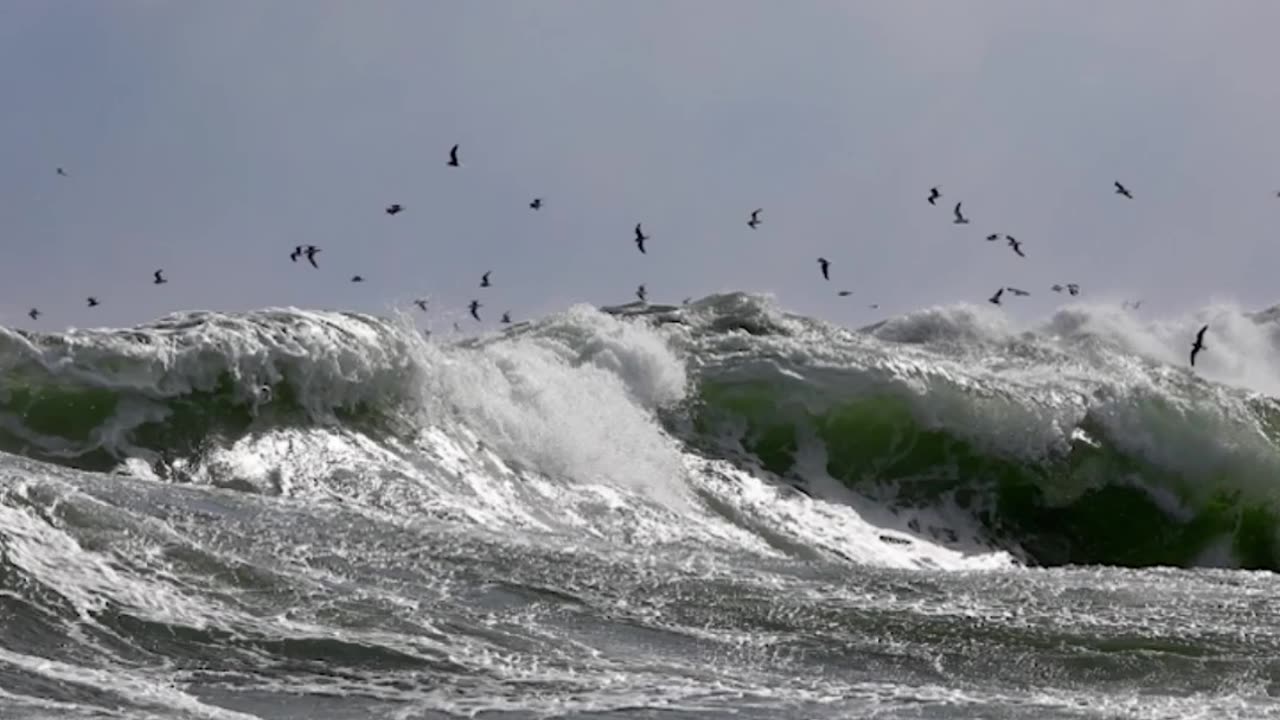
[(708, 510)]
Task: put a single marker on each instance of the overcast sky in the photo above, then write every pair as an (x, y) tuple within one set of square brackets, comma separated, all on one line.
[(209, 138)]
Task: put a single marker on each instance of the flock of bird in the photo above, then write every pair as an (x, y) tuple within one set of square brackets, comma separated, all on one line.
[(824, 265)]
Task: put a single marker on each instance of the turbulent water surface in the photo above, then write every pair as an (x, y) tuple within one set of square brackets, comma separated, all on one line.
[(715, 510)]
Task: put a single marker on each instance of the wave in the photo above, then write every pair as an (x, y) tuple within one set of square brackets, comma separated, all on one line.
[(1081, 439)]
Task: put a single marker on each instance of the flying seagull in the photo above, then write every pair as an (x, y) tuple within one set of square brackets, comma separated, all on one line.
[(536, 204), (1016, 291), (845, 293), (159, 278), (310, 251), (825, 264), (1122, 190), (394, 208), (640, 238), (934, 195), (1073, 288), (642, 293), (960, 218), (92, 301), (506, 318), (475, 307), (356, 278), (993, 237), (34, 314), (1017, 246), (995, 299), (484, 279), (421, 303), (1198, 345), (1056, 288), (297, 253), (453, 157), (63, 173), (754, 222)]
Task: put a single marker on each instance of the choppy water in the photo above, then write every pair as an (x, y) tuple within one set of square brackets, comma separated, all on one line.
[(708, 511)]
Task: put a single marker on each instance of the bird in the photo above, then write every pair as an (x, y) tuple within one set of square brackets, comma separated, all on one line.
[(995, 299), (310, 251), (92, 301), (993, 237), (1016, 291), (475, 307), (34, 314), (63, 173), (845, 293), (394, 208), (1122, 190), (1073, 288), (934, 195), (1198, 345), (642, 293), (874, 306), (825, 264), (1134, 305), (754, 222), (640, 238), (536, 204), (1017, 246), (453, 157), (421, 303), (297, 253), (960, 218), (1056, 288), (356, 278), (506, 318), (160, 280), (484, 279)]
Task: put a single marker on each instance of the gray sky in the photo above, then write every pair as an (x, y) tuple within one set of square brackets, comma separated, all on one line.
[(210, 137)]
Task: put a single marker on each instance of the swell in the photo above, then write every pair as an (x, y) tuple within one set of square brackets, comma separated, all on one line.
[(185, 383)]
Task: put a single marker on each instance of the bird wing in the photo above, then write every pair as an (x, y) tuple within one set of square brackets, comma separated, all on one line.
[(1200, 335), (957, 210)]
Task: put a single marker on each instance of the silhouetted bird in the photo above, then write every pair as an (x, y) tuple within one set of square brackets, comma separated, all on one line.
[(484, 279), (1056, 288), (1073, 288), (754, 222), (1198, 345), (642, 293), (995, 299), (63, 173), (34, 314), (310, 251), (475, 307), (506, 318), (92, 301), (993, 237), (536, 204), (421, 303), (394, 208), (159, 278), (640, 238), (960, 218), (297, 253), (1122, 190), (1016, 291), (1017, 246), (845, 293), (356, 278), (825, 265), (453, 157), (934, 195)]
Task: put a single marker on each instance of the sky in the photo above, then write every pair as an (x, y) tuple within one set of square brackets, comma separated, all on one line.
[(210, 137)]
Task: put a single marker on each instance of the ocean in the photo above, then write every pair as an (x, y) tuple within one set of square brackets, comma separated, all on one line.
[(715, 510)]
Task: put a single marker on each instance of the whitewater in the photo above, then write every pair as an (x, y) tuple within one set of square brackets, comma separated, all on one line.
[(720, 509)]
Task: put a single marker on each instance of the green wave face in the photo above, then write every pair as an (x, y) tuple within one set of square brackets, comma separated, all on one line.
[(190, 383), (1091, 501)]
